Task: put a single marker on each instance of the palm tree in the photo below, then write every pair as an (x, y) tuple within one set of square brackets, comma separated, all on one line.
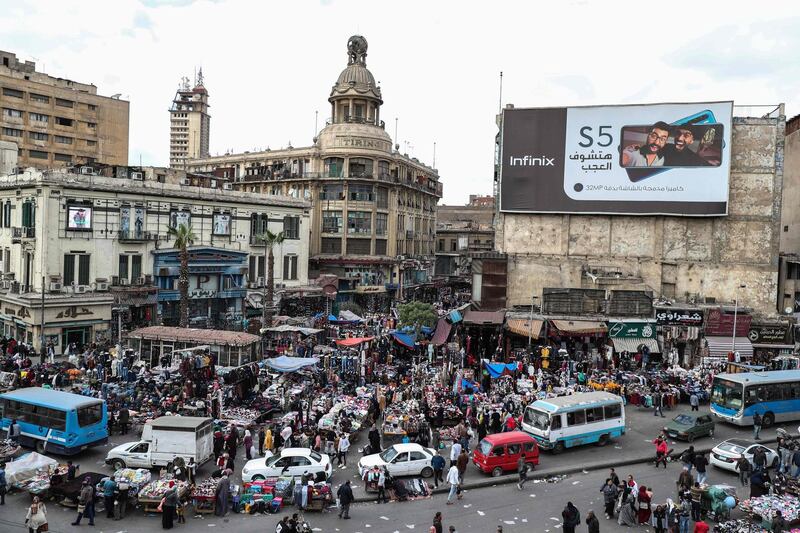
[(270, 240), (183, 238)]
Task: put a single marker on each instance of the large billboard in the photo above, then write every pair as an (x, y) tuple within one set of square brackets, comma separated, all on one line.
[(670, 159)]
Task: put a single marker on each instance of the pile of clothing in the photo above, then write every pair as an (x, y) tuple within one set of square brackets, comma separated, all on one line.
[(205, 489), (765, 506), (136, 479)]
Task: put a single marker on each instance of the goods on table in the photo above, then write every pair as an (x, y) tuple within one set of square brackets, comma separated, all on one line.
[(9, 449), (739, 526), (765, 507), (205, 489), (155, 490), (135, 479)]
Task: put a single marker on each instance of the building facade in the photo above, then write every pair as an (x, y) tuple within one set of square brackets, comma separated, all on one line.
[(58, 122), (460, 232), (374, 209), (95, 254), (189, 123), (685, 259), (789, 277)]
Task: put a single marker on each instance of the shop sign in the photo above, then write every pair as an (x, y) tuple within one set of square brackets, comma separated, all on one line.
[(768, 334), (632, 330), (720, 323), (370, 289), (202, 293), (74, 312), (22, 312), (678, 317)]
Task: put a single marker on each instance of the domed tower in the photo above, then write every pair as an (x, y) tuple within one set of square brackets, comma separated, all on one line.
[(356, 98)]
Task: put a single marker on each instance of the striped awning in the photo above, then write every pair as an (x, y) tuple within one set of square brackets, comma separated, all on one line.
[(631, 344), (718, 347), (585, 327), (524, 327), (443, 328)]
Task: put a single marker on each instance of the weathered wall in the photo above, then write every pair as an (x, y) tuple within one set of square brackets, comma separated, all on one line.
[(678, 257), (790, 217)]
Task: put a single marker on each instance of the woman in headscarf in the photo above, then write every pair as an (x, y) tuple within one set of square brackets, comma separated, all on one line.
[(222, 492), (37, 516), (627, 510), (644, 498), (268, 439), (572, 518), (248, 444), (168, 506)]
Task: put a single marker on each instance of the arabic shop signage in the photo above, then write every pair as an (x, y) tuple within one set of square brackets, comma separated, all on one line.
[(768, 334), (632, 330), (679, 317)]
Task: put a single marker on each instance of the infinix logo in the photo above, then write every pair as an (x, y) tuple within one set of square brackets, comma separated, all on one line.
[(532, 161)]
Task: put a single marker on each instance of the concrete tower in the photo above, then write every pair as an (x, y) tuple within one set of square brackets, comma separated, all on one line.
[(190, 123)]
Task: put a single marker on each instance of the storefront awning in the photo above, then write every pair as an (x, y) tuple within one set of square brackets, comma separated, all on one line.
[(488, 318), (583, 327), (290, 364), (525, 327), (354, 341), (718, 347), (631, 344), (770, 346), (443, 328), (404, 339)]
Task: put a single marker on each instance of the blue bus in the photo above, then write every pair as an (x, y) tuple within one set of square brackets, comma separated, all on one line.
[(775, 395), (53, 421)]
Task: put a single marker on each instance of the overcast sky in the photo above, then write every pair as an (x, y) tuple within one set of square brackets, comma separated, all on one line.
[(269, 66)]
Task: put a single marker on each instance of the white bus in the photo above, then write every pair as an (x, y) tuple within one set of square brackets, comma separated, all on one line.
[(582, 418)]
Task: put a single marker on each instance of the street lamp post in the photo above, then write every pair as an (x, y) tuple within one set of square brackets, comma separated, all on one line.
[(530, 322), (735, 316)]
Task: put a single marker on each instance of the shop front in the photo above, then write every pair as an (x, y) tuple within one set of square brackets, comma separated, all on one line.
[(770, 341), (229, 348), (520, 330), (726, 331), (635, 337), (679, 330)]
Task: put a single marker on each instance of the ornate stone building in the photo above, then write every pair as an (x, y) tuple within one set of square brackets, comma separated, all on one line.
[(374, 209)]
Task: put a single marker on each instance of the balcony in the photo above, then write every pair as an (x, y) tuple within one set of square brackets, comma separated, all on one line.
[(350, 119), (255, 241), (135, 236), (23, 233)]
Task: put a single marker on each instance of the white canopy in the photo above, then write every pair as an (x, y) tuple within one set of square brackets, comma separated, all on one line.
[(26, 467)]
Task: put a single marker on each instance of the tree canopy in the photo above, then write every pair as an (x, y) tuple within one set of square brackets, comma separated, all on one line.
[(417, 314)]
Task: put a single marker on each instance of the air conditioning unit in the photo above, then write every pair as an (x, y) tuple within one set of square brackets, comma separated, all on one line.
[(56, 286), (124, 281), (139, 281), (280, 285), (228, 187), (252, 285), (5, 284), (213, 184), (79, 289), (9, 276), (186, 181), (114, 280), (101, 286), (138, 176), (89, 171), (260, 281), (148, 279)]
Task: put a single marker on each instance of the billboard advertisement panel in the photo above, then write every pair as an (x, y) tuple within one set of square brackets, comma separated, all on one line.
[(670, 159)]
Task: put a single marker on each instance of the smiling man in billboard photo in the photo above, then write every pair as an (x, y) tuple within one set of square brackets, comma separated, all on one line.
[(679, 153), (649, 155)]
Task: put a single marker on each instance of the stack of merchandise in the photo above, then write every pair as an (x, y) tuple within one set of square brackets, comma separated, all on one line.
[(240, 415), (765, 507), (36, 484), (9, 449), (136, 479), (155, 490), (205, 489), (739, 526)]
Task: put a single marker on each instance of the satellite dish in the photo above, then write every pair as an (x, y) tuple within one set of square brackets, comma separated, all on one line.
[(788, 310)]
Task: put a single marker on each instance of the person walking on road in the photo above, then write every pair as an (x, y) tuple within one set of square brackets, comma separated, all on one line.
[(700, 463), (109, 487), (685, 514), (36, 519), (382, 486), (455, 451), (610, 492), (685, 480), (572, 518), (461, 464), (437, 526), (756, 425), (453, 479), (522, 470), (3, 484), (85, 503), (694, 401), (592, 522), (345, 495), (344, 445), (760, 459), (658, 404), (437, 463), (744, 467), (661, 451), (687, 458)]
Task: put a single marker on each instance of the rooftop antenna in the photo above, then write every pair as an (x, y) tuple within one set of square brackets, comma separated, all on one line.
[(434, 155), (316, 119), (396, 140), (500, 101)]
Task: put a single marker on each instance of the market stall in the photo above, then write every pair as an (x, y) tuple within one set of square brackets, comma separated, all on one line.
[(151, 494)]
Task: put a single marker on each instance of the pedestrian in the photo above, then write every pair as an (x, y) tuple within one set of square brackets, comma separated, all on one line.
[(658, 404), (436, 527), (697, 496), (700, 464), (701, 527), (3, 484), (796, 463), (374, 440), (109, 487), (221, 494), (124, 420), (694, 401), (262, 435), (660, 519), (759, 459), (756, 425), (169, 504), (685, 513), (268, 440), (571, 518), (451, 529), (661, 451), (461, 464), (345, 497), (744, 467), (612, 474), (85, 503), (779, 523), (455, 451), (437, 463), (453, 479), (522, 470), (644, 499), (382, 485), (592, 522), (610, 492), (248, 444), (36, 519), (687, 458), (344, 445), (283, 526), (191, 471)]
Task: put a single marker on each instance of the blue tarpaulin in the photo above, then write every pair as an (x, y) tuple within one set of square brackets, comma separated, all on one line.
[(498, 369), (454, 317), (332, 318), (404, 339), (290, 364), (467, 384)]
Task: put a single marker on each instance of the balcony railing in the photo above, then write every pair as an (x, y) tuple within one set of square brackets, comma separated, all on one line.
[(256, 241), (23, 233), (135, 236)]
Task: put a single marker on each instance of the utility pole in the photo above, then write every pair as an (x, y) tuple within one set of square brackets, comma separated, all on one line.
[(42, 348)]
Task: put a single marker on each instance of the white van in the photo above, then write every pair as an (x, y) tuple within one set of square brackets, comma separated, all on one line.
[(163, 440)]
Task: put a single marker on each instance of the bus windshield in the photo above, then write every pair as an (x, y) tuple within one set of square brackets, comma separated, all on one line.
[(537, 419), (727, 394)]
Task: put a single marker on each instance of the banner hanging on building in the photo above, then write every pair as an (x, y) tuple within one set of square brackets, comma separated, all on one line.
[(671, 159)]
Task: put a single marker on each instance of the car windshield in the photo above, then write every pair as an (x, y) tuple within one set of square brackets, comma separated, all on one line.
[(727, 394), (731, 447), (388, 454), (536, 418), (272, 460), (315, 456), (684, 420), (485, 447)]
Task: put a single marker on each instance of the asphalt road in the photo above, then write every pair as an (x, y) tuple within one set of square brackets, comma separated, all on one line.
[(480, 510)]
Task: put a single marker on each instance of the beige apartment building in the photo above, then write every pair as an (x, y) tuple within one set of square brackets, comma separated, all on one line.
[(92, 252), (374, 209), (189, 123), (58, 122)]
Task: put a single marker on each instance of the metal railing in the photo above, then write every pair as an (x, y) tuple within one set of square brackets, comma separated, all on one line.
[(23, 233), (134, 235)]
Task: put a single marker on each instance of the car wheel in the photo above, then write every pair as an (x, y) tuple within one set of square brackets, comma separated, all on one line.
[(603, 440), (427, 472), (559, 448), (40, 446), (118, 464), (497, 471), (690, 438), (767, 420), (257, 477), (711, 432)]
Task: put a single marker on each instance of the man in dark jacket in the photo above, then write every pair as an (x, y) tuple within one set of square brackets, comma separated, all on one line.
[(592, 523), (345, 495), (756, 425), (438, 468), (760, 459)]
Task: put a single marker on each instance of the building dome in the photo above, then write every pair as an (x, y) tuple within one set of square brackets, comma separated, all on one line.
[(356, 73), (356, 79)]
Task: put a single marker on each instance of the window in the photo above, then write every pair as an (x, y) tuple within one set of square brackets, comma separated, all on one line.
[(331, 245), (612, 411), (142, 447), (90, 414), (82, 269), (63, 157), (576, 418), (383, 169), (380, 246), (91, 125), (12, 113), (178, 218), (498, 451), (291, 227), (91, 107), (453, 245), (440, 245), (331, 221), (359, 246), (514, 449), (530, 447), (360, 193), (38, 117), (7, 214), (28, 214), (360, 167), (63, 140), (90, 142), (334, 167), (37, 154), (383, 197), (417, 456), (289, 267), (381, 221), (42, 99), (64, 103), (12, 92), (331, 192), (359, 222), (61, 121), (123, 266), (12, 132), (594, 415), (36, 136)]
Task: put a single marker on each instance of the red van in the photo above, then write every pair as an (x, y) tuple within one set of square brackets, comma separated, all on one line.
[(500, 452)]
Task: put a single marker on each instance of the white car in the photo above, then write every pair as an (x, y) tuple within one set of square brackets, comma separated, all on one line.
[(725, 454), (401, 460), (288, 462)]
